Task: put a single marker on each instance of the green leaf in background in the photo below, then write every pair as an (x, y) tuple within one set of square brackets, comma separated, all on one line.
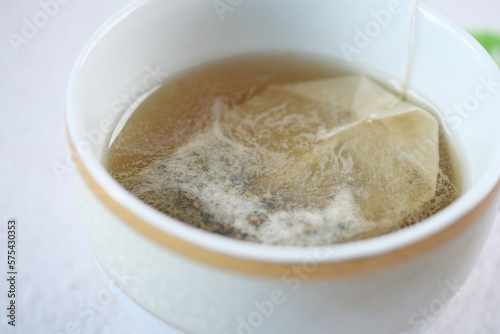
[(491, 43)]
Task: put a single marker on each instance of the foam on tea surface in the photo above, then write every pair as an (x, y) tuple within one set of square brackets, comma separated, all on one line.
[(305, 163)]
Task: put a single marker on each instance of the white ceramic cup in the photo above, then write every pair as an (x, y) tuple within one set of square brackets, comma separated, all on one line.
[(178, 279)]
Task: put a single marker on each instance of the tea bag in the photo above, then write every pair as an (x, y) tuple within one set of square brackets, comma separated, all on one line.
[(311, 163)]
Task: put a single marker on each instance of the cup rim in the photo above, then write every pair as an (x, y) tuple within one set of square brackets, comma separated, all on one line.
[(336, 260)]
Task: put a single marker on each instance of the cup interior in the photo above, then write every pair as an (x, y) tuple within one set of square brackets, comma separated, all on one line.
[(151, 40)]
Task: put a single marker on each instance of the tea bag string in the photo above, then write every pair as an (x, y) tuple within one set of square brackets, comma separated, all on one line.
[(410, 50)]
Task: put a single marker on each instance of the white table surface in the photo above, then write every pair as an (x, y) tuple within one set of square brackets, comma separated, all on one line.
[(59, 280)]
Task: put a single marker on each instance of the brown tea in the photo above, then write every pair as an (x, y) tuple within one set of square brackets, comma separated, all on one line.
[(285, 151)]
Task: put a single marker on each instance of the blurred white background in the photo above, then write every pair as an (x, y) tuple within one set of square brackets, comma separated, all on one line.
[(59, 280)]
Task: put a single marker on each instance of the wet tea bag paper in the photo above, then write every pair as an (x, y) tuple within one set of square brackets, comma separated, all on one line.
[(311, 163)]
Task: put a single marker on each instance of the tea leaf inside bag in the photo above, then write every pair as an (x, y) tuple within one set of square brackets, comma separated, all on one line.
[(311, 163)]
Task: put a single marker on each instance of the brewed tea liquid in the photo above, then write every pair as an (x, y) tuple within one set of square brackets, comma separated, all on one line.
[(168, 138)]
